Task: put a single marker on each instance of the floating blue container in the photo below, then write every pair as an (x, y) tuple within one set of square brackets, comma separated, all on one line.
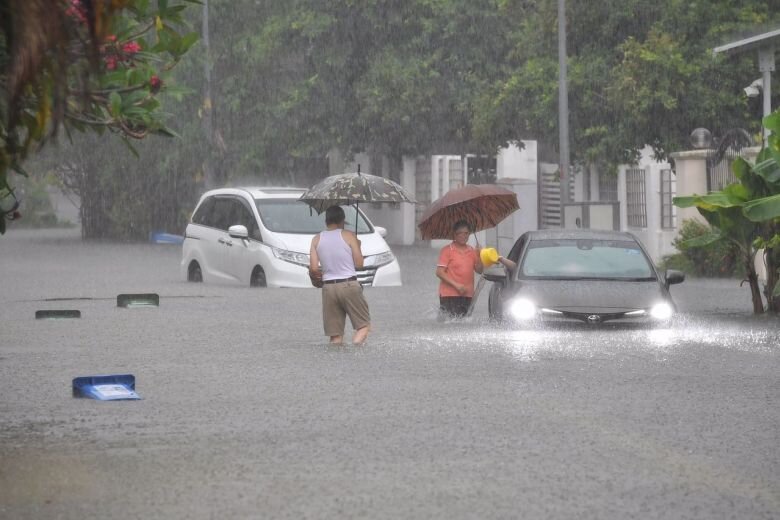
[(159, 237), (106, 388)]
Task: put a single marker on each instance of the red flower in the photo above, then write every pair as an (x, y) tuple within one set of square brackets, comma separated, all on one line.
[(131, 48), (111, 62), (77, 11), (111, 38), (155, 84)]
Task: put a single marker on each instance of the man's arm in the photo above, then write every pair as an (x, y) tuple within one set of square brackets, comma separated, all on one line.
[(314, 258), (509, 264), (354, 244), (441, 273)]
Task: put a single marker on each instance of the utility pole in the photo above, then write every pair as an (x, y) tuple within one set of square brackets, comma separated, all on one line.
[(206, 109), (563, 107), (766, 64)]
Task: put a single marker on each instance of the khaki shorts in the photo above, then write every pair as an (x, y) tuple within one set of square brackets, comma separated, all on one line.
[(342, 299)]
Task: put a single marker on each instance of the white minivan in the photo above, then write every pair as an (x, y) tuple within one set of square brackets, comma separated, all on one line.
[(261, 237)]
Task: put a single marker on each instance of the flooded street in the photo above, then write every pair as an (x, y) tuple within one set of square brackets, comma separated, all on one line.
[(247, 413)]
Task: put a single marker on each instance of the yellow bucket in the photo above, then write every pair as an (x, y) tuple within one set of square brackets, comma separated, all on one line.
[(489, 256)]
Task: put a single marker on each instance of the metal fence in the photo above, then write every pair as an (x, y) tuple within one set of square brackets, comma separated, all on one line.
[(636, 203), (668, 211), (608, 186), (720, 175)]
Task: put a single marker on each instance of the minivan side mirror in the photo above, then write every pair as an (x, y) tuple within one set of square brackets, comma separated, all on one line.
[(238, 231), (382, 231), (673, 276)]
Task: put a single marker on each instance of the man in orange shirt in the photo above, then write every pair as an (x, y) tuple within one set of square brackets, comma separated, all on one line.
[(457, 264)]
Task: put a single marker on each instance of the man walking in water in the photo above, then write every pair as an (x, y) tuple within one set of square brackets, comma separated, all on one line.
[(338, 253)]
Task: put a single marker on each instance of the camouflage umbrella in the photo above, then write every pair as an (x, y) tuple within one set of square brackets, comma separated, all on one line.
[(353, 188)]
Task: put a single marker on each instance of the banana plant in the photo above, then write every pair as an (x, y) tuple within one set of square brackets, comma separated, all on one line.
[(747, 213)]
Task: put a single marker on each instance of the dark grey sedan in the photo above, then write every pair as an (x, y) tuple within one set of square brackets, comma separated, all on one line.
[(581, 275)]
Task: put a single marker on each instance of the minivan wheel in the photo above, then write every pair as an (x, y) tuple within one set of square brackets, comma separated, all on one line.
[(194, 274), (258, 278)]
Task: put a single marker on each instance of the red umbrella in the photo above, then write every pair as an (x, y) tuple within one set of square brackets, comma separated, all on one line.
[(481, 205)]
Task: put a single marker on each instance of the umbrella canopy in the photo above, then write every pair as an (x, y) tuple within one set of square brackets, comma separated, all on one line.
[(353, 188), (481, 205)]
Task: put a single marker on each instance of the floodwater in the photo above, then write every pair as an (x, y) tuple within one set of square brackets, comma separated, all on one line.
[(247, 413)]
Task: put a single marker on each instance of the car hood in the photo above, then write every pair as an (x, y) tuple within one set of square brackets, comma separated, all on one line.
[(592, 295), (371, 243)]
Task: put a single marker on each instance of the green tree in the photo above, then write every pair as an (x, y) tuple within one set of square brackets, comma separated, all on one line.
[(640, 73), (85, 66)]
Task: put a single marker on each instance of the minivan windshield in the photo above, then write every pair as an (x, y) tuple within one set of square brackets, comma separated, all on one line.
[(292, 216), (586, 259)]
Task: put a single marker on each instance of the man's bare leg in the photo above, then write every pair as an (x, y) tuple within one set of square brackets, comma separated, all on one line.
[(337, 339), (360, 335)]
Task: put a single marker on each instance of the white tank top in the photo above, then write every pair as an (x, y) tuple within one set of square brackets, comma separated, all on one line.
[(335, 256)]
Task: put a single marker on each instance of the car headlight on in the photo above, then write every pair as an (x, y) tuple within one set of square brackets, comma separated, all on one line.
[(380, 259), (661, 311), (291, 256), (522, 309)]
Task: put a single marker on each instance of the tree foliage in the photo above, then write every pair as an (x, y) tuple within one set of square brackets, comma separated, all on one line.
[(85, 66), (294, 79)]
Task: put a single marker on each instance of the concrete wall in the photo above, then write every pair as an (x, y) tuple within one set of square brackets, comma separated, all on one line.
[(503, 236), (513, 162), (691, 168), (657, 241)]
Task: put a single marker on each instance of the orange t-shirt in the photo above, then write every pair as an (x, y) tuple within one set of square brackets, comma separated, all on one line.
[(460, 265)]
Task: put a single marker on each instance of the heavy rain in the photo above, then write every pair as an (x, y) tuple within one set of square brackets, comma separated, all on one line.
[(152, 228)]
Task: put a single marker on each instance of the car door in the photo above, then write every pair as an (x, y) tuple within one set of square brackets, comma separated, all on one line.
[(244, 254), (206, 235), (499, 290), (220, 242)]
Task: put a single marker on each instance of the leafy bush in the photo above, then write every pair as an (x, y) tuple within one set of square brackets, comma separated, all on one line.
[(715, 260), (36, 208)]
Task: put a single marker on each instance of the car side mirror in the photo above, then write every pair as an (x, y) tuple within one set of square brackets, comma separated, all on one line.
[(382, 231), (673, 276), (496, 273), (238, 231)]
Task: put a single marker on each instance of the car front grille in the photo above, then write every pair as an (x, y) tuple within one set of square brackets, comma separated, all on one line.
[(366, 276), (594, 318)]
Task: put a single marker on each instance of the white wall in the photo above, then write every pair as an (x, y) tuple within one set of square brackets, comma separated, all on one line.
[(657, 241), (515, 163)]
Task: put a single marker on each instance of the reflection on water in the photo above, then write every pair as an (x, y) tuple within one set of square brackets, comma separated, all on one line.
[(574, 340)]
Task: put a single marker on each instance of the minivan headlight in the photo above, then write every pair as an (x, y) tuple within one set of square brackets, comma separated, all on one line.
[(380, 259), (291, 256)]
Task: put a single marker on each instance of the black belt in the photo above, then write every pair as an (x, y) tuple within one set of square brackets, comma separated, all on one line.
[(339, 280)]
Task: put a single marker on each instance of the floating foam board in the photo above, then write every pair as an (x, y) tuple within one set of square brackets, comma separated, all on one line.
[(114, 387), (160, 237), (51, 314), (138, 300)]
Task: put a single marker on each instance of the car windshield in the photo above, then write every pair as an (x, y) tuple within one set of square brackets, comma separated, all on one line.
[(586, 258), (292, 216)]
